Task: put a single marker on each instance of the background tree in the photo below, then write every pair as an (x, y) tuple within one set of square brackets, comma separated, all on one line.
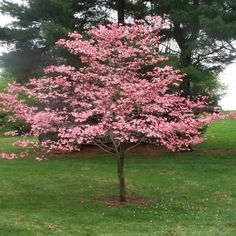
[(199, 37), (110, 101), (121, 11), (199, 34), (37, 25)]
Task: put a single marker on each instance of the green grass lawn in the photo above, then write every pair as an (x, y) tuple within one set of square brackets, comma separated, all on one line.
[(190, 193), (221, 135)]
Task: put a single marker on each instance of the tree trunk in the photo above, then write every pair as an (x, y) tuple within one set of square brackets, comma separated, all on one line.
[(185, 46), (120, 170), (185, 61), (121, 11)]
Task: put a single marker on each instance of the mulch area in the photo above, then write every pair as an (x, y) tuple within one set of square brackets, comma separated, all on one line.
[(143, 150), (91, 151)]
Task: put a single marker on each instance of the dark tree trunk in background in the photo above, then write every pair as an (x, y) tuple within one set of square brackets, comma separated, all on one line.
[(185, 61), (121, 11), (185, 45), (120, 170), (185, 58)]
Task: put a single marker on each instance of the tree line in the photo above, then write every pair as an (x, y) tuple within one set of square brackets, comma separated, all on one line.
[(198, 36)]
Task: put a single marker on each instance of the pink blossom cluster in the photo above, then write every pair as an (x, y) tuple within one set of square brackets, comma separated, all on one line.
[(11, 133), (8, 156), (11, 156), (119, 94), (39, 159), (232, 115), (26, 143)]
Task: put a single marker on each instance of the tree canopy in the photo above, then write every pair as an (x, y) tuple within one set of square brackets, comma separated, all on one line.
[(37, 25), (199, 34)]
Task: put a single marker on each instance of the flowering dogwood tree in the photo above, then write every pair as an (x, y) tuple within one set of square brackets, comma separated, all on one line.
[(118, 99)]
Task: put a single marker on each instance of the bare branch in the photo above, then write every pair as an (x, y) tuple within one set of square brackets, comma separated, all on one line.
[(201, 57), (113, 141), (137, 144), (103, 147)]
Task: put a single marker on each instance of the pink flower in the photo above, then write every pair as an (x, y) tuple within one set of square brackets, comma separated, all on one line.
[(39, 159), (11, 133), (8, 156)]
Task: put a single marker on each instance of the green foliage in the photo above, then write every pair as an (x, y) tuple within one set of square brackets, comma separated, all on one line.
[(202, 81), (48, 136), (190, 193), (200, 34), (38, 25), (4, 81), (5, 123), (205, 83)]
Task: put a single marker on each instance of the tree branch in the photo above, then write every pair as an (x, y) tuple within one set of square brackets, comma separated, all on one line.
[(137, 144), (103, 147), (116, 146)]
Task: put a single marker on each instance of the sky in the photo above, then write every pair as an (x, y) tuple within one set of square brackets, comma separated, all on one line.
[(227, 77)]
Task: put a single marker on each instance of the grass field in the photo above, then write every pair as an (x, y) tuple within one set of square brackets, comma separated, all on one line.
[(190, 193)]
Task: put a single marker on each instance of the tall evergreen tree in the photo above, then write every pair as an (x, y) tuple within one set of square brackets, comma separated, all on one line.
[(200, 34), (38, 25)]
